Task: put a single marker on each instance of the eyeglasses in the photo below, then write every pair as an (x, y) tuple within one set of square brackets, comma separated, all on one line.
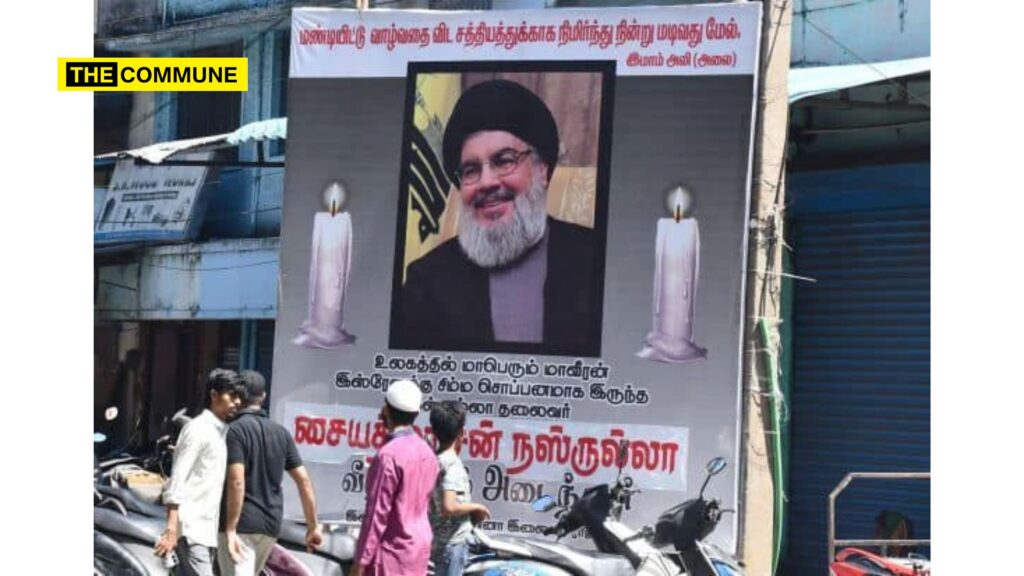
[(503, 163)]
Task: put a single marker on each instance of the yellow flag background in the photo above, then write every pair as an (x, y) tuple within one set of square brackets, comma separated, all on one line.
[(574, 100)]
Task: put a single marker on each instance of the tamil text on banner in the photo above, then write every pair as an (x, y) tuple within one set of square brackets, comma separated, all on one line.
[(538, 214)]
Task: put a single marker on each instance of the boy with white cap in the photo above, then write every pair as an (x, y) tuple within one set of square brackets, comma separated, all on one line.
[(395, 536)]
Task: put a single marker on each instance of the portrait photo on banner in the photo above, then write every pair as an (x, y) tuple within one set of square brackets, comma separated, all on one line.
[(503, 201)]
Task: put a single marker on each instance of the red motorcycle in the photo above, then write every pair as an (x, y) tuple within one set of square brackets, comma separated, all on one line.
[(857, 562), (894, 534)]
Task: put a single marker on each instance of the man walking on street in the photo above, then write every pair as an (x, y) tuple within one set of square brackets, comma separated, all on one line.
[(197, 479), (260, 451), (395, 536)]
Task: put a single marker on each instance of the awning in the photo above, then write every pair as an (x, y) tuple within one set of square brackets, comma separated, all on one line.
[(164, 152), (272, 129), (807, 82)]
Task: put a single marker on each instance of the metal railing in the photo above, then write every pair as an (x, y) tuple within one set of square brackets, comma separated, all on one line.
[(833, 543)]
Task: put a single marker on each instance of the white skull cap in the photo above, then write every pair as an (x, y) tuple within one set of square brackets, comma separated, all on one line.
[(404, 395)]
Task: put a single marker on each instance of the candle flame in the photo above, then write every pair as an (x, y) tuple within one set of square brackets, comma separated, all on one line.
[(334, 197), (679, 202)]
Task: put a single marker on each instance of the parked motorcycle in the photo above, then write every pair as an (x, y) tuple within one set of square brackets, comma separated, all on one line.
[(112, 557), (126, 526), (687, 525), (857, 562), (133, 536), (157, 460), (620, 549), (128, 530)]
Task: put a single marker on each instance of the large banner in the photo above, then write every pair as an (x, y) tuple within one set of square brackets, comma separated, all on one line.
[(540, 214)]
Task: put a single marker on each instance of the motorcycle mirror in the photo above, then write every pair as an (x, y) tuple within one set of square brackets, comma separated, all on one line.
[(179, 418), (623, 456), (715, 466), (110, 413), (99, 438), (543, 504)]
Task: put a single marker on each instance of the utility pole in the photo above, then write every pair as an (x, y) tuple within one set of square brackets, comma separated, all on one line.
[(759, 528)]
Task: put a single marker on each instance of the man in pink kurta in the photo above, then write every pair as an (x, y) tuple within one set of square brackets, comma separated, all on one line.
[(395, 536)]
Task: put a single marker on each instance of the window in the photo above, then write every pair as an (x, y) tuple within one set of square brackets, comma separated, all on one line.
[(230, 338), (209, 113), (279, 90), (111, 121)]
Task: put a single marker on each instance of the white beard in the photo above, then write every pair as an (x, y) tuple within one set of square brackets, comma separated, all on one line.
[(496, 245)]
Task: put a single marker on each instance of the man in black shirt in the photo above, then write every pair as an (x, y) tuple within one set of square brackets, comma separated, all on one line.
[(259, 452)]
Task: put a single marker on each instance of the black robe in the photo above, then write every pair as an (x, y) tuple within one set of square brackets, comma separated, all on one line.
[(446, 305)]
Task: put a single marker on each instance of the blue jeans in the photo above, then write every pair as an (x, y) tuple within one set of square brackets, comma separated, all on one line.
[(195, 559), (454, 560)]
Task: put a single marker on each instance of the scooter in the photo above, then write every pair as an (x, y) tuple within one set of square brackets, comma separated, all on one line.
[(685, 527), (621, 550)]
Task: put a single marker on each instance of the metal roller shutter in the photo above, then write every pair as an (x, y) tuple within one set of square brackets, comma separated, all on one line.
[(861, 394)]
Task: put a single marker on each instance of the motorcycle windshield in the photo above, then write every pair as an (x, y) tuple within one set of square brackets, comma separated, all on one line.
[(723, 569)]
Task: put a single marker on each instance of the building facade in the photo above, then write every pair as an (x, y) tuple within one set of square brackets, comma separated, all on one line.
[(854, 376), (857, 320), (209, 300)]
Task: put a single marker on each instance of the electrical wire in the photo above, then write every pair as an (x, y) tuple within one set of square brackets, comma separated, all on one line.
[(116, 285), (775, 39), (209, 269), (143, 262), (903, 89)]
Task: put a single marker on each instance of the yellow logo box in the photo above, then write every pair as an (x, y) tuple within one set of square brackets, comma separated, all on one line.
[(153, 74)]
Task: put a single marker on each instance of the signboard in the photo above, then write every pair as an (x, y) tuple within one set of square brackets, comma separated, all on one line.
[(540, 214), (696, 40), (152, 202)]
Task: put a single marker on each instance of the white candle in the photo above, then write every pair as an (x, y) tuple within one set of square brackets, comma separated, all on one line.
[(673, 311), (329, 267), (677, 261)]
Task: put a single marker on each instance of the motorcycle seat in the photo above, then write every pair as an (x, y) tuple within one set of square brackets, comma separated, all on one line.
[(340, 547), (111, 556), (132, 502), (581, 562), (134, 526)]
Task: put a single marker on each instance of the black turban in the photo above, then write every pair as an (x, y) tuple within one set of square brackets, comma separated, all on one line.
[(501, 105)]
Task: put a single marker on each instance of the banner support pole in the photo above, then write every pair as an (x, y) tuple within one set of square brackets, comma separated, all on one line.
[(757, 483)]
